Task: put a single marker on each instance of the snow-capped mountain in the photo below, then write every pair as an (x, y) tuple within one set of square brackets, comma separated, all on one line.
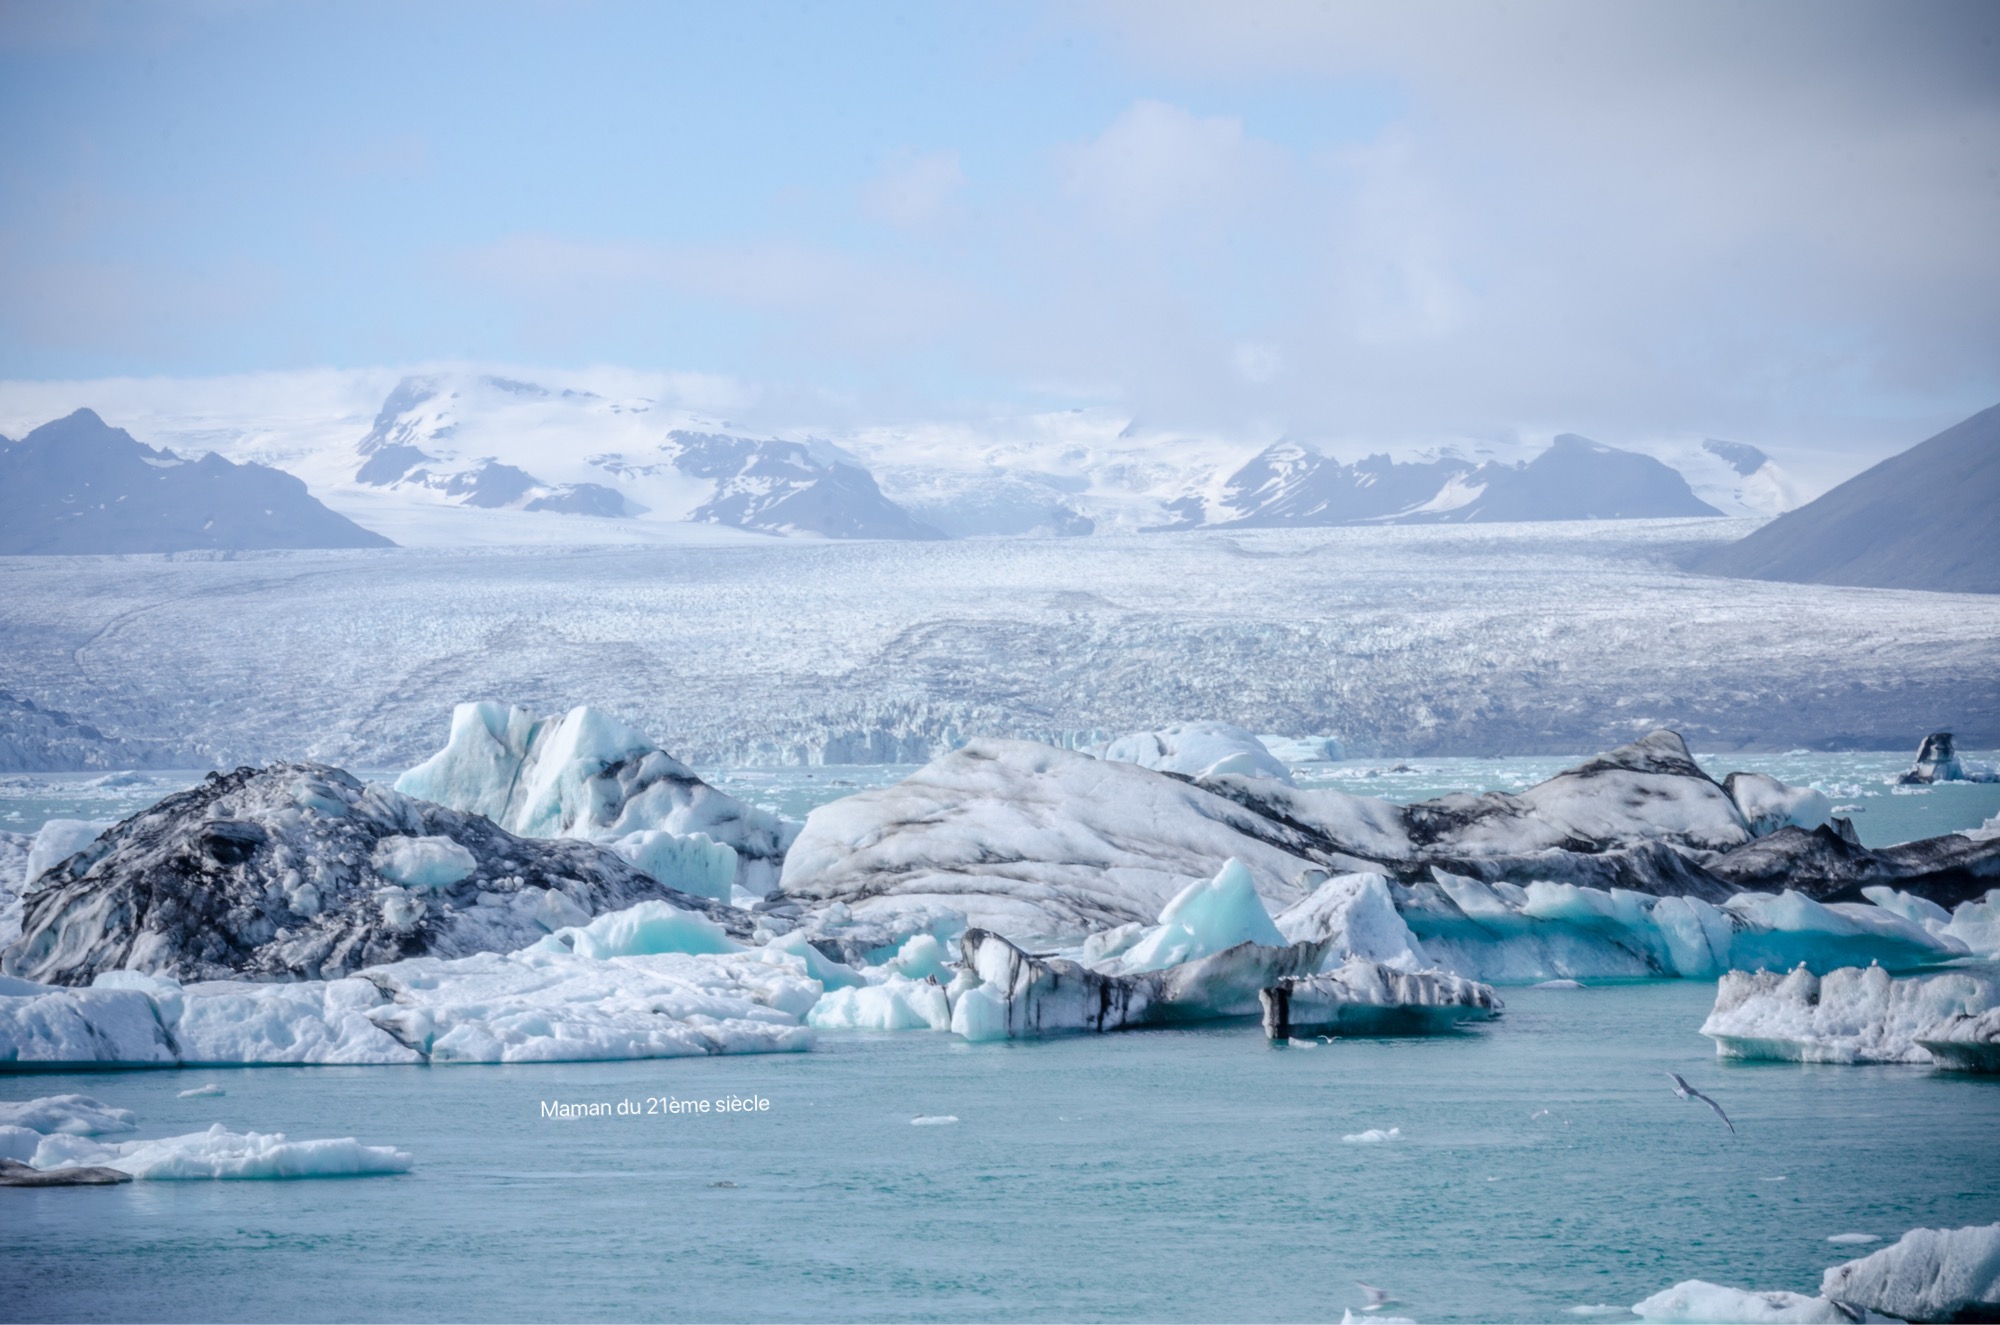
[(460, 455), (78, 485), (1575, 479)]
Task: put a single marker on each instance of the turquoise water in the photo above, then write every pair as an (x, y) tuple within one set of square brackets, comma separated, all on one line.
[(1170, 1175)]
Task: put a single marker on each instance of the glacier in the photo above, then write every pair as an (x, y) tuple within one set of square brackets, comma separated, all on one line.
[(1859, 1015), (584, 774)]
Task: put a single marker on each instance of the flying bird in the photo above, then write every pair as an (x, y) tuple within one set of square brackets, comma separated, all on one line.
[(1687, 1092), (1377, 1297)]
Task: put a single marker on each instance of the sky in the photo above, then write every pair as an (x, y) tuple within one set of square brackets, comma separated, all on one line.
[(1351, 223)]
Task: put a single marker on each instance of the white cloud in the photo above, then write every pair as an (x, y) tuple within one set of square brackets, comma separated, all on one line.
[(915, 190)]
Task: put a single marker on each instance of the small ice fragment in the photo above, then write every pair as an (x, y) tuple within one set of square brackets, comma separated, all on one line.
[(202, 1092), (1560, 984), (1854, 1239), (933, 1119), (1597, 1309), (1296, 1043), (1373, 1136)]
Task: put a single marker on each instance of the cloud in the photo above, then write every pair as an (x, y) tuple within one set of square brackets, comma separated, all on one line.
[(1158, 164), (914, 191)]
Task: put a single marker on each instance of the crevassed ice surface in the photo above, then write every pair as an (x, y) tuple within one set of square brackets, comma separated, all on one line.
[(1164, 1175), (1491, 638)]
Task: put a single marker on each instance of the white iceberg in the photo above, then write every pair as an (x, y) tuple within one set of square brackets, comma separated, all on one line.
[(1928, 1274), (1374, 1136), (586, 775), (1366, 998), (897, 1004), (1199, 749), (58, 840), (1768, 804), (1851, 1015), (1205, 917), (68, 1115), (219, 1153), (649, 982)]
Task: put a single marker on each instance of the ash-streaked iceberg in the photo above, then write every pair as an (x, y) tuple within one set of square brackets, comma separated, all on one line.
[(1928, 1274), (584, 774), (1857, 1015), (1361, 997), (300, 871)]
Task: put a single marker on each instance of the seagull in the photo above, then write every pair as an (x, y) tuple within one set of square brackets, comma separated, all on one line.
[(1377, 1297), (1687, 1092), (1540, 1113)]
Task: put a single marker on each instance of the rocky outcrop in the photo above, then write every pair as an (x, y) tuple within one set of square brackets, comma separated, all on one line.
[(299, 871)]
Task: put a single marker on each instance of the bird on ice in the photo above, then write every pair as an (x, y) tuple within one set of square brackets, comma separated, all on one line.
[(1687, 1092)]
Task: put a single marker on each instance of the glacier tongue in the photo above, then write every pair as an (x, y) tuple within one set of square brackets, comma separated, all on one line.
[(587, 775)]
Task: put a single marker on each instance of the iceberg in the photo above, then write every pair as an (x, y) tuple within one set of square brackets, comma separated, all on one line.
[(1938, 761), (1366, 998), (897, 1004), (584, 774), (1768, 804), (219, 1153), (1002, 992), (68, 1115), (299, 871), (1205, 917), (1695, 1300), (1929, 1274), (1199, 749), (1856, 1015), (56, 841), (650, 983)]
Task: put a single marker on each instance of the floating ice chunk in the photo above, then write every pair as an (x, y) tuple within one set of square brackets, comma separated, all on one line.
[(422, 862), (219, 1153), (1976, 924), (1367, 998), (1929, 1274), (642, 930), (1357, 917), (1964, 1042), (921, 957), (208, 1091), (70, 1115), (1696, 1301), (695, 864), (49, 1024), (1207, 916), (1850, 1015), (586, 775), (1768, 804), (1002, 992), (816, 964), (58, 840), (1854, 1239), (1199, 749), (933, 1120), (1938, 761), (1787, 928), (897, 1004), (542, 1004), (1561, 984), (1374, 1136)]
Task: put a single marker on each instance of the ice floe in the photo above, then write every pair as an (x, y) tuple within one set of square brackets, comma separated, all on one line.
[(56, 1136), (1858, 1015), (300, 870), (584, 774), (1697, 1301)]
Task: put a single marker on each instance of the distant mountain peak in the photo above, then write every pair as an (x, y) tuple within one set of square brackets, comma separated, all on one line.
[(79, 485), (1741, 457)]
